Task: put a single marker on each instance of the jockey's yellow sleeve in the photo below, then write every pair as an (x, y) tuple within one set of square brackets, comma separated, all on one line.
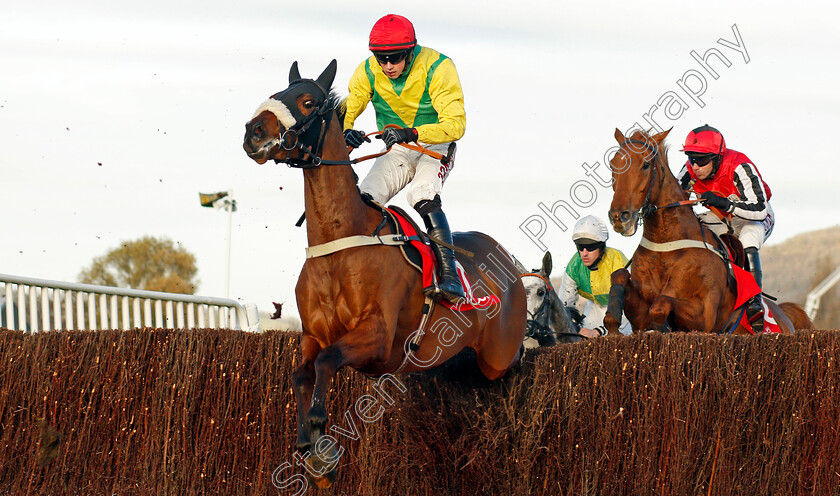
[(427, 96), (595, 284)]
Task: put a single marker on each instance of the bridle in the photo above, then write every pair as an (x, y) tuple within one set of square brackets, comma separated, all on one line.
[(298, 137), (534, 327), (646, 208)]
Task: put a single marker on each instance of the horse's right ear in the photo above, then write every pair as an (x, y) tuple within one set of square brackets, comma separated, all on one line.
[(326, 78), (294, 73), (619, 137), (546, 266)]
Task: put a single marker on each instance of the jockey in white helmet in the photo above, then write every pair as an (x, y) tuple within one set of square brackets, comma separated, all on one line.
[(587, 275)]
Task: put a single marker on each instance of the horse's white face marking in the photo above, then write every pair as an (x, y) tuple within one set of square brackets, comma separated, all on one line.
[(279, 109), (535, 292)]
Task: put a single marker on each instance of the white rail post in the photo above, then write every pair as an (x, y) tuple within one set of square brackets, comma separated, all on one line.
[(170, 316), (33, 310), (159, 314), (136, 320), (114, 324), (45, 309), (147, 307), (91, 308), (179, 314), (191, 315), (126, 321), (21, 309), (10, 307), (68, 309), (80, 310)]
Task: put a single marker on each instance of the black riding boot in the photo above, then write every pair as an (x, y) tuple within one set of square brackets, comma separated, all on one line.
[(449, 284), (755, 310)]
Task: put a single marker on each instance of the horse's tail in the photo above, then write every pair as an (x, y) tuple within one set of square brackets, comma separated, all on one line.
[(797, 315)]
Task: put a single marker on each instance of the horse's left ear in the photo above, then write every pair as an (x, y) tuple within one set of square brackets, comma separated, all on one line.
[(547, 265), (619, 137), (294, 73), (326, 77), (659, 138)]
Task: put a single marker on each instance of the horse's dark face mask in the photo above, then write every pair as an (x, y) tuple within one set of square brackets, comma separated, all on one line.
[(287, 105)]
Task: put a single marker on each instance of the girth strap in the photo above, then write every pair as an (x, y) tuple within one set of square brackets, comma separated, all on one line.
[(677, 245), (354, 241)]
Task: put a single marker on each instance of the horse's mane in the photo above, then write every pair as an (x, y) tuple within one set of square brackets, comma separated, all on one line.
[(339, 104), (661, 154), (662, 148)]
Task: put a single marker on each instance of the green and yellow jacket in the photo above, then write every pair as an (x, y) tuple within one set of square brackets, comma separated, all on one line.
[(427, 96), (591, 284)]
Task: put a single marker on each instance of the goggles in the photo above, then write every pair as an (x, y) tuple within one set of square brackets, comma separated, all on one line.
[(700, 160), (590, 247), (390, 57)]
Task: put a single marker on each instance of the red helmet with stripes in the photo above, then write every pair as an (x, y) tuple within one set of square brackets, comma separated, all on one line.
[(392, 33), (705, 139)]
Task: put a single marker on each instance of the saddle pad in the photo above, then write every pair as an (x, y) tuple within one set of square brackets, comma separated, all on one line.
[(745, 286), (428, 262), (770, 324)]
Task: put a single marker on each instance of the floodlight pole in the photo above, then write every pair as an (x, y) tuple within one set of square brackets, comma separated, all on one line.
[(229, 206), (223, 200)]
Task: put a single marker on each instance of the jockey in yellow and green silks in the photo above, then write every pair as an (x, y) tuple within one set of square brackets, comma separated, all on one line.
[(417, 89), (588, 275)]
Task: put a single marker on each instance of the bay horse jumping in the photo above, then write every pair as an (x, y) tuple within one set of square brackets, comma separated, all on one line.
[(360, 307), (549, 321), (680, 281)]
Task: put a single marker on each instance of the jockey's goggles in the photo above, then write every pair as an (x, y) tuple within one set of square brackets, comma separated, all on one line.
[(391, 57), (701, 160), (590, 247)]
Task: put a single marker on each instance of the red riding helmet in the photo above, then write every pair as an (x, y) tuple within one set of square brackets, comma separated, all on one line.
[(704, 139), (392, 33)]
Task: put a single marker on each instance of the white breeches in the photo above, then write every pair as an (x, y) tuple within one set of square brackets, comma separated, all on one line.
[(751, 233), (401, 166)]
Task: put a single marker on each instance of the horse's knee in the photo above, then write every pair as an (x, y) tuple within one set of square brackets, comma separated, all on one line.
[(658, 313), (620, 277), (328, 361), (317, 417)]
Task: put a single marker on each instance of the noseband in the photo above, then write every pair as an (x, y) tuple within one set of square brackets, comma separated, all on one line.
[(296, 138)]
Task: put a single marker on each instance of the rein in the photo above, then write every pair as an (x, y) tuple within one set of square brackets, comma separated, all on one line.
[(312, 160)]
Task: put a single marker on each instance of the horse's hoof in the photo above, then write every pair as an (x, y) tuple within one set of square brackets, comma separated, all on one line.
[(324, 482), (320, 481)]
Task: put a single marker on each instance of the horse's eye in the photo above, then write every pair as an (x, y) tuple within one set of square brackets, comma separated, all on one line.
[(540, 292), (645, 165), (308, 104)]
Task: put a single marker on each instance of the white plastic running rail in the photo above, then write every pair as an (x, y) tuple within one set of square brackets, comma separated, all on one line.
[(33, 305)]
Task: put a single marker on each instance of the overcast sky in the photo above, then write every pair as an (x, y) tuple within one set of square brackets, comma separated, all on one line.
[(115, 115)]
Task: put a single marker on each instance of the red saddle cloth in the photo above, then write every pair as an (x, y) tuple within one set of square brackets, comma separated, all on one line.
[(429, 262), (747, 288)]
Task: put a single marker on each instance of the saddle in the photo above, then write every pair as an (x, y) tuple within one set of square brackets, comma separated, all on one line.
[(419, 254), (741, 281)]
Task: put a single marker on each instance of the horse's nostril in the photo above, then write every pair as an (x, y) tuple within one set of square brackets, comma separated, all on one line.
[(625, 216)]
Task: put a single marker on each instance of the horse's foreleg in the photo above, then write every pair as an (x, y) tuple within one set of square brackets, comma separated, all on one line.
[(658, 314), (624, 297), (355, 349), (303, 380)]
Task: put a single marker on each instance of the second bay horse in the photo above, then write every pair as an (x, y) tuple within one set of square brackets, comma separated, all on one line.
[(679, 280), (360, 307)]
